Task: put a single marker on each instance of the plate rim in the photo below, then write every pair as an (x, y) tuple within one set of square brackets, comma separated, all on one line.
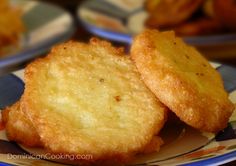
[(221, 159), (19, 57)]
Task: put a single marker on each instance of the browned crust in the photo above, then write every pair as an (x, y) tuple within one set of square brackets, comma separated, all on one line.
[(31, 109), (207, 110), (18, 127)]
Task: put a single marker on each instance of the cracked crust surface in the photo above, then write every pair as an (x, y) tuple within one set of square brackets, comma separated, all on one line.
[(18, 127), (182, 79), (89, 99)]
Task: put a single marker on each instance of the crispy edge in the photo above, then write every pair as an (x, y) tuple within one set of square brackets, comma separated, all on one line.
[(32, 68), (170, 90), (18, 127)]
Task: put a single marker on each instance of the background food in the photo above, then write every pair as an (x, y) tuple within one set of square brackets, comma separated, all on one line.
[(11, 24), (171, 12), (192, 17), (182, 79), (225, 12)]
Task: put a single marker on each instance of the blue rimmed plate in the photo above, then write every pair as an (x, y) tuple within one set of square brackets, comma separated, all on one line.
[(45, 25), (183, 144), (121, 20)]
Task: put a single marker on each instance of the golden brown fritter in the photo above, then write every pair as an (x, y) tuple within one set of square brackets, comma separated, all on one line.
[(89, 99), (182, 79), (18, 127)]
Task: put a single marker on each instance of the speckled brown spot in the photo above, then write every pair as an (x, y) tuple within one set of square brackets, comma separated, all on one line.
[(117, 98), (101, 80), (187, 56), (199, 74)]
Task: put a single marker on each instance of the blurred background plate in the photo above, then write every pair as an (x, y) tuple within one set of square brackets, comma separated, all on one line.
[(45, 24), (121, 20)]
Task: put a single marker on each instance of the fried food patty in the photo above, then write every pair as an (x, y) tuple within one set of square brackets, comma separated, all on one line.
[(18, 127), (89, 99), (182, 79)]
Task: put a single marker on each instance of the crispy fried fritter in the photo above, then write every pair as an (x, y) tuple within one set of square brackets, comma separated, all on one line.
[(89, 99), (18, 127), (153, 146), (182, 79)]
